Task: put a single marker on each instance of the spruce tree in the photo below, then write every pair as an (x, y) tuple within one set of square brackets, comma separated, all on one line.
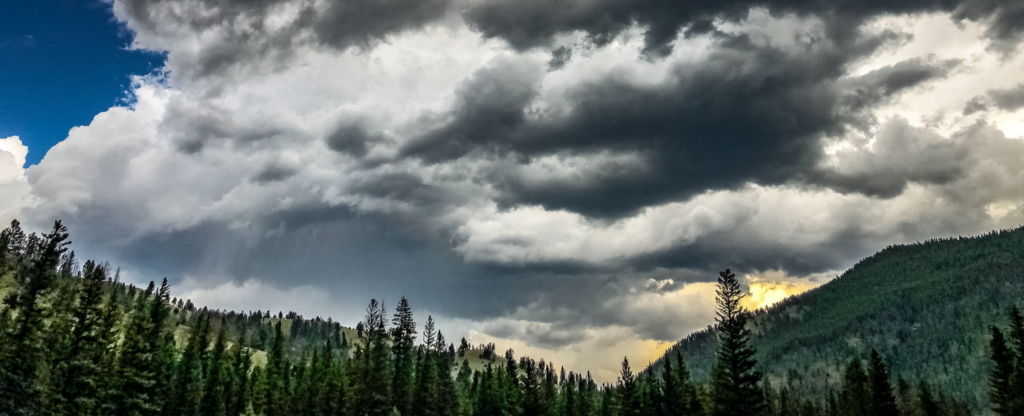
[(855, 394), (883, 402), (21, 353), (372, 397), (675, 404), (628, 400), (734, 378), (927, 403), (1016, 342), (213, 400), (138, 364), (532, 401), (78, 375), (276, 372), (403, 334), (187, 375), (694, 406), (1002, 394), (608, 405), (510, 386)]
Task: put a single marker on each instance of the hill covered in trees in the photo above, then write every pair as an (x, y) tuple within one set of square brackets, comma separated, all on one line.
[(74, 340), (928, 308)]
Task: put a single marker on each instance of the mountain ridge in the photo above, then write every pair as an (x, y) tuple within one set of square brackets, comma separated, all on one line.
[(927, 307)]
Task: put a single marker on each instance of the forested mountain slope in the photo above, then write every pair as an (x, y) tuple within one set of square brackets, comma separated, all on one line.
[(928, 308)]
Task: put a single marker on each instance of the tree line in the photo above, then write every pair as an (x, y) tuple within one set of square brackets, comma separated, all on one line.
[(77, 341)]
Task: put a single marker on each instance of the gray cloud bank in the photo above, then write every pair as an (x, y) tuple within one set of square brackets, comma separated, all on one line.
[(544, 169)]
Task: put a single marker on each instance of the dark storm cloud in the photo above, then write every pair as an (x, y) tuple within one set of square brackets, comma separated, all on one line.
[(747, 113), (559, 57), (1006, 20), (491, 106), (975, 105), (544, 335), (869, 89), (352, 138), (526, 24), (192, 125), (274, 173), (559, 315), (360, 22), (244, 32), (1009, 99), (901, 154)]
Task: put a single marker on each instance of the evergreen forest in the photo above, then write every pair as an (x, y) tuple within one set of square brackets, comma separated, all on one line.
[(921, 330)]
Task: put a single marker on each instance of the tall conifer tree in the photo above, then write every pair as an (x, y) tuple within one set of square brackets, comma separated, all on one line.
[(883, 402), (403, 334), (78, 374), (628, 389), (735, 378), (21, 353)]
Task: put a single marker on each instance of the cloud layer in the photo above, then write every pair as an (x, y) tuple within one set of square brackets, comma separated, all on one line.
[(566, 180)]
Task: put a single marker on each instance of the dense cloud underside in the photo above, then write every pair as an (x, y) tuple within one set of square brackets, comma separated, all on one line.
[(563, 178)]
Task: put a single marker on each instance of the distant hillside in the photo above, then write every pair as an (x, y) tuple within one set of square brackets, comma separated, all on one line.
[(926, 307)]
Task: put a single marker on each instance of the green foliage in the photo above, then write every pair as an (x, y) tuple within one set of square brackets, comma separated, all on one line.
[(79, 341), (926, 307), (883, 402), (735, 380)]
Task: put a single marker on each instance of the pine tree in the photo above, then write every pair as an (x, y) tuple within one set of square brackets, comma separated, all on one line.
[(403, 333), (855, 395), (78, 375), (883, 402), (927, 403), (586, 389), (188, 372), (138, 366), (1001, 381), (243, 380), (21, 353), (608, 405), (511, 392), (675, 404), (734, 379), (424, 394), (694, 407), (213, 400), (372, 397), (276, 373), (1016, 342), (628, 400)]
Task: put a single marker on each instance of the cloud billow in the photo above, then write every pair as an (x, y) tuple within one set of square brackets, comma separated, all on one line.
[(746, 114), (560, 176)]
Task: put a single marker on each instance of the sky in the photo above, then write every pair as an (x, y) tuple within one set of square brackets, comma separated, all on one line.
[(565, 179), (61, 63)]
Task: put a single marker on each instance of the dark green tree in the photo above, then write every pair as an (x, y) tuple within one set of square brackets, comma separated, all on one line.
[(883, 402), (927, 403), (403, 334), (628, 389), (79, 375), (276, 375), (735, 389), (139, 369), (855, 395), (21, 352), (1002, 394), (213, 400), (373, 372)]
